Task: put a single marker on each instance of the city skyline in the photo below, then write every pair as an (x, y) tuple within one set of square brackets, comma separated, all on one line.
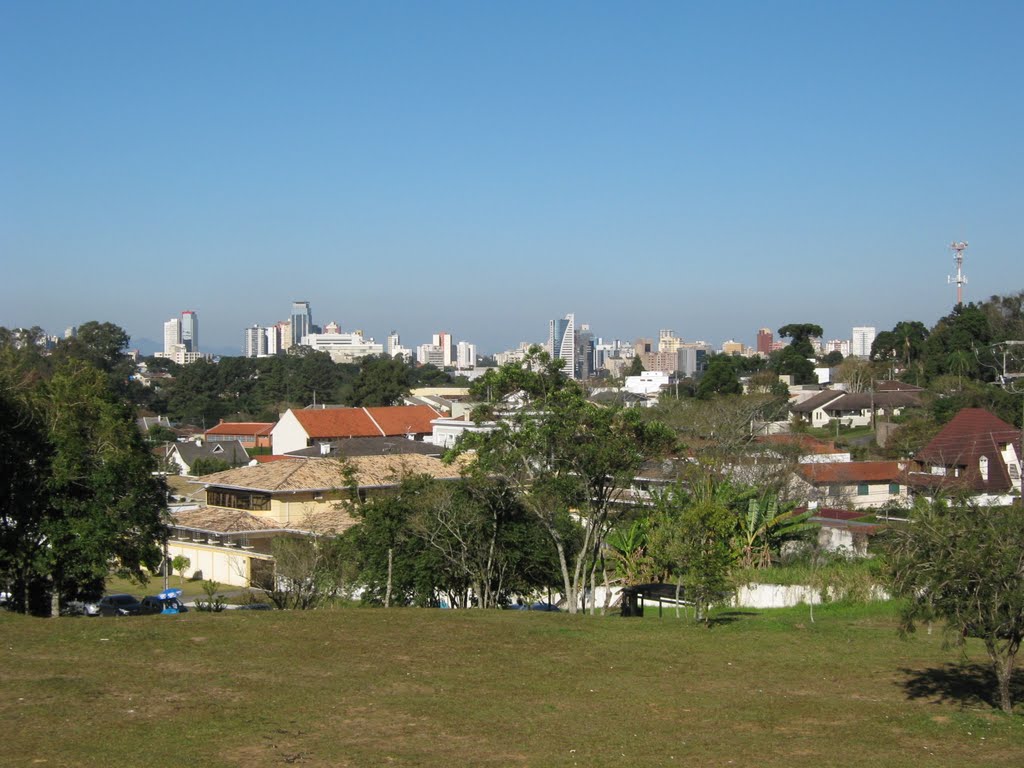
[(709, 169)]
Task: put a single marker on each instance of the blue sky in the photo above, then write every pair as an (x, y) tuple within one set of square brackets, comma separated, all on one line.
[(483, 167)]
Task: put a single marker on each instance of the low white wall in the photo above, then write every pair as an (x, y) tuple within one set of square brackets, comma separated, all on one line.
[(787, 595), (774, 595)]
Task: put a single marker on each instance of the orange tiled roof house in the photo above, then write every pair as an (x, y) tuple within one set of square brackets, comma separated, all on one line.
[(298, 429)]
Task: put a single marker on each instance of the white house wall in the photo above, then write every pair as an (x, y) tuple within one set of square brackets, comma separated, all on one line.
[(288, 435), (224, 567)]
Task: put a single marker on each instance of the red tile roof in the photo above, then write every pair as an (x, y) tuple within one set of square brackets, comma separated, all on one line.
[(806, 443), (404, 419), (848, 472), (970, 435), (253, 428), (367, 422)]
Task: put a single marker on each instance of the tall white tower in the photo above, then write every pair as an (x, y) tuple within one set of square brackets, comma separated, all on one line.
[(172, 335)]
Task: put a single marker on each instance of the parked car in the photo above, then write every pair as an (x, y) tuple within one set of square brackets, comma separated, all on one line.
[(119, 605), (80, 608), (161, 604), (541, 606)]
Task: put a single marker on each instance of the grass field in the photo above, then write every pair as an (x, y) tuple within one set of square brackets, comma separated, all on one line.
[(369, 687)]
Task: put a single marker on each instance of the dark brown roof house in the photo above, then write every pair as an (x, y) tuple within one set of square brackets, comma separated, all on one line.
[(977, 453)]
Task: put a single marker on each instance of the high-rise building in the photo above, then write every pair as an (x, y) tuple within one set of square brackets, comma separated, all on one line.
[(178, 347), (863, 338), (765, 337), (255, 341), (562, 343), (430, 354), (172, 335), (465, 355), (190, 331), (302, 321), (274, 339), (444, 341), (394, 342), (668, 341)]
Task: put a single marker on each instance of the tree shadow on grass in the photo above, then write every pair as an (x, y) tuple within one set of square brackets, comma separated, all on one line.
[(728, 617), (963, 684)]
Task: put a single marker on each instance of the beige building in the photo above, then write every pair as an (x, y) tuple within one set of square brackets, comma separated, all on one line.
[(229, 538)]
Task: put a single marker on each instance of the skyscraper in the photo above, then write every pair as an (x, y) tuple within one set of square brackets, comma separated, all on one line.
[(172, 335), (765, 337), (863, 338), (394, 342), (255, 341), (562, 343), (302, 321), (190, 330), (465, 355), (444, 341)]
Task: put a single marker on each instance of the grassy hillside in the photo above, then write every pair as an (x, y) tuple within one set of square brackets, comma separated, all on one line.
[(363, 687)]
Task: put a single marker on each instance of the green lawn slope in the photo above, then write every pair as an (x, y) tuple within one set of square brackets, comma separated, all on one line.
[(370, 687)]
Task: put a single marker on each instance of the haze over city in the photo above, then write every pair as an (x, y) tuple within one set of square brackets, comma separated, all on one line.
[(483, 169)]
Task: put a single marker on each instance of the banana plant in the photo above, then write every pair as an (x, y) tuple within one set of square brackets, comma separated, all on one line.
[(765, 526), (627, 548)]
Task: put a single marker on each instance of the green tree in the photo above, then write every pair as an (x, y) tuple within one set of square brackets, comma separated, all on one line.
[(964, 564), (790, 361), (904, 343), (561, 454), (626, 547), (381, 381), (180, 563), (395, 565), (801, 335), (201, 466), (832, 359), (636, 367), (82, 498), (484, 537), (765, 526), (105, 507), (308, 571), (158, 433), (691, 538), (959, 362), (534, 379), (965, 329), (720, 378), (25, 457)]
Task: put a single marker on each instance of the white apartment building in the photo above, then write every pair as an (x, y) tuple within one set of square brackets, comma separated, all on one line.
[(255, 344), (465, 355), (430, 354), (863, 338), (172, 335), (343, 347)]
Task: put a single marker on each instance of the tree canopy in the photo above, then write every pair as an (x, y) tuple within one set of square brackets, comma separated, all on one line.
[(965, 565), (562, 455), (81, 497), (801, 335)]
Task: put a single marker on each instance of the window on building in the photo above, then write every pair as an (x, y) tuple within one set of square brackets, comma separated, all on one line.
[(894, 489), (220, 497), (863, 489)]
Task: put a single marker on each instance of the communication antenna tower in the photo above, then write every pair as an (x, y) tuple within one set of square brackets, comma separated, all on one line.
[(958, 249)]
